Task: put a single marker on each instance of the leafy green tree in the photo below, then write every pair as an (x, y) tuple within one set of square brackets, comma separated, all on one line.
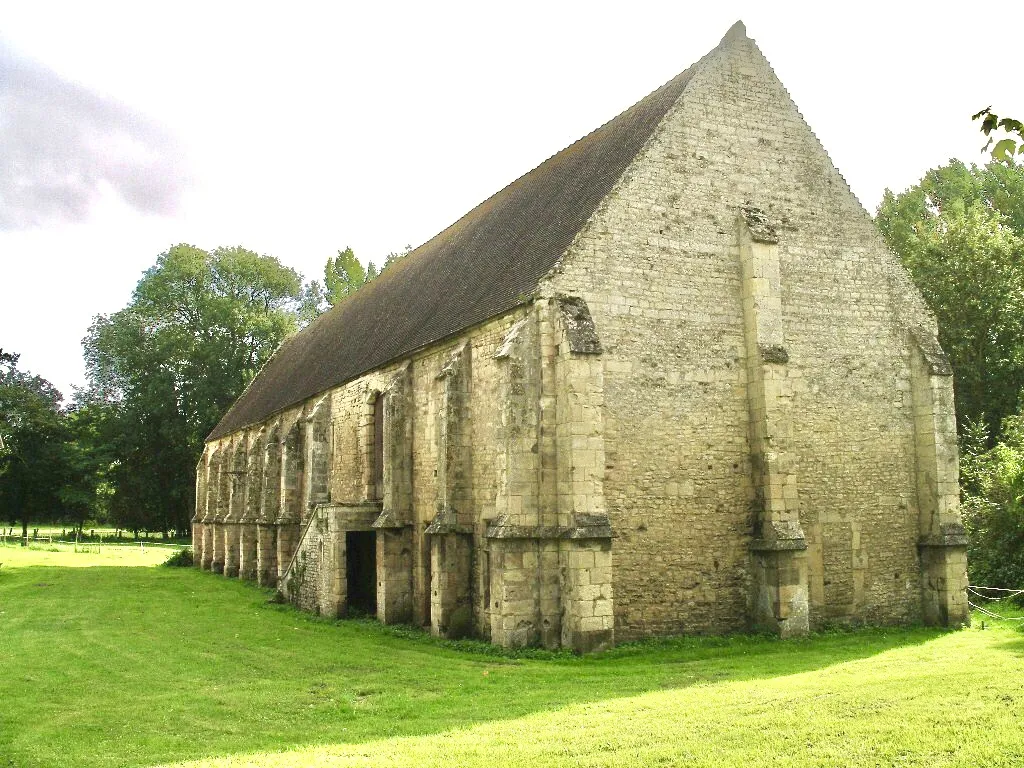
[(167, 367), (960, 233), (33, 462), (1004, 149), (992, 480), (90, 460), (344, 275), (314, 303)]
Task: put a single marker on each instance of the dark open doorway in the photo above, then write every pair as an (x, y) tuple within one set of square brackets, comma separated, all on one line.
[(361, 570)]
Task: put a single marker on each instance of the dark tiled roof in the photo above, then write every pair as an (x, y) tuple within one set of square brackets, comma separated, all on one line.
[(482, 266)]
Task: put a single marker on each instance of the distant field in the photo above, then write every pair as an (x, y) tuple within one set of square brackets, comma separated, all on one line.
[(124, 666), (13, 555), (10, 530)]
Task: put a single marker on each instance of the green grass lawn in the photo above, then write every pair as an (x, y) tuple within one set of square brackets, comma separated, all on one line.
[(80, 556), (129, 666)]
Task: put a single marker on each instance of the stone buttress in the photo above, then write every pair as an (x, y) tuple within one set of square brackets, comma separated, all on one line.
[(779, 601), (213, 540), (248, 531), (289, 512), (394, 525), (550, 544), (202, 470), (236, 504), (451, 531), (266, 521), (943, 543)]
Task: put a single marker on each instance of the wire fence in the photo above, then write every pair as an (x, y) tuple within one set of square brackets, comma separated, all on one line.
[(993, 595), (85, 544)]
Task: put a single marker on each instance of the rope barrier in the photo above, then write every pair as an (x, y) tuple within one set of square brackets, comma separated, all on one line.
[(1010, 593), (1007, 594), (981, 610)]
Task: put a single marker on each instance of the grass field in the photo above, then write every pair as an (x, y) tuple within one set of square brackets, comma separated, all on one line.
[(114, 665), (10, 531), (81, 556)]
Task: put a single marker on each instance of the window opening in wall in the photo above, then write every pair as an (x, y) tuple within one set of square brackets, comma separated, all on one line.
[(361, 570), (378, 446)]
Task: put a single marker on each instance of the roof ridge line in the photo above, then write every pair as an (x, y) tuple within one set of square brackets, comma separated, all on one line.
[(476, 269), (566, 148)]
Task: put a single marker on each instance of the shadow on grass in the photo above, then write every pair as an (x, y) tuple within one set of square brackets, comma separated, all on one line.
[(211, 668), (1015, 644)]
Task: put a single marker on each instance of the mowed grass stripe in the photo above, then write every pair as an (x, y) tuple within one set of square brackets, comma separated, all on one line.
[(894, 709), (123, 666)]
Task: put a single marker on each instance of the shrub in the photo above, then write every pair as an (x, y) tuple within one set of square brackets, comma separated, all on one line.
[(180, 559), (993, 505)]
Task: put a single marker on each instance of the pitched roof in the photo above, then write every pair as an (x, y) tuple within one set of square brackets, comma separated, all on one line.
[(481, 267)]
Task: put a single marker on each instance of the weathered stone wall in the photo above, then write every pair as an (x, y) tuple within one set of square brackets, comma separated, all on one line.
[(489, 514), (316, 580), (659, 266), (467, 483), (351, 429), (316, 489), (303, 584), (320, 455)]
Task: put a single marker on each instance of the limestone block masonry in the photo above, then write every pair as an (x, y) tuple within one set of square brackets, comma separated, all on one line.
[(720, 407)]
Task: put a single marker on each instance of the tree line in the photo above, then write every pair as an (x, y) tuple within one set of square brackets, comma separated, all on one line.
[(160, 373)]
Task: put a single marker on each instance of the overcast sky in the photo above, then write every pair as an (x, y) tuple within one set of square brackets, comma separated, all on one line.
[(298, 129)]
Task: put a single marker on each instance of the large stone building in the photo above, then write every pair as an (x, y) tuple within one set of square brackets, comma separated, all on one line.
[(669, 381)]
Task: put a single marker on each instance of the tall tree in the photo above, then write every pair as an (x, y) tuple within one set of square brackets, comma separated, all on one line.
[(960, 233), (199, 326), (344, 275), (90, 463), (33, 461)]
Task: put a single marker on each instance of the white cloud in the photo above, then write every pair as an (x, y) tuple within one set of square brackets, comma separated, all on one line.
[(61, 144)]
